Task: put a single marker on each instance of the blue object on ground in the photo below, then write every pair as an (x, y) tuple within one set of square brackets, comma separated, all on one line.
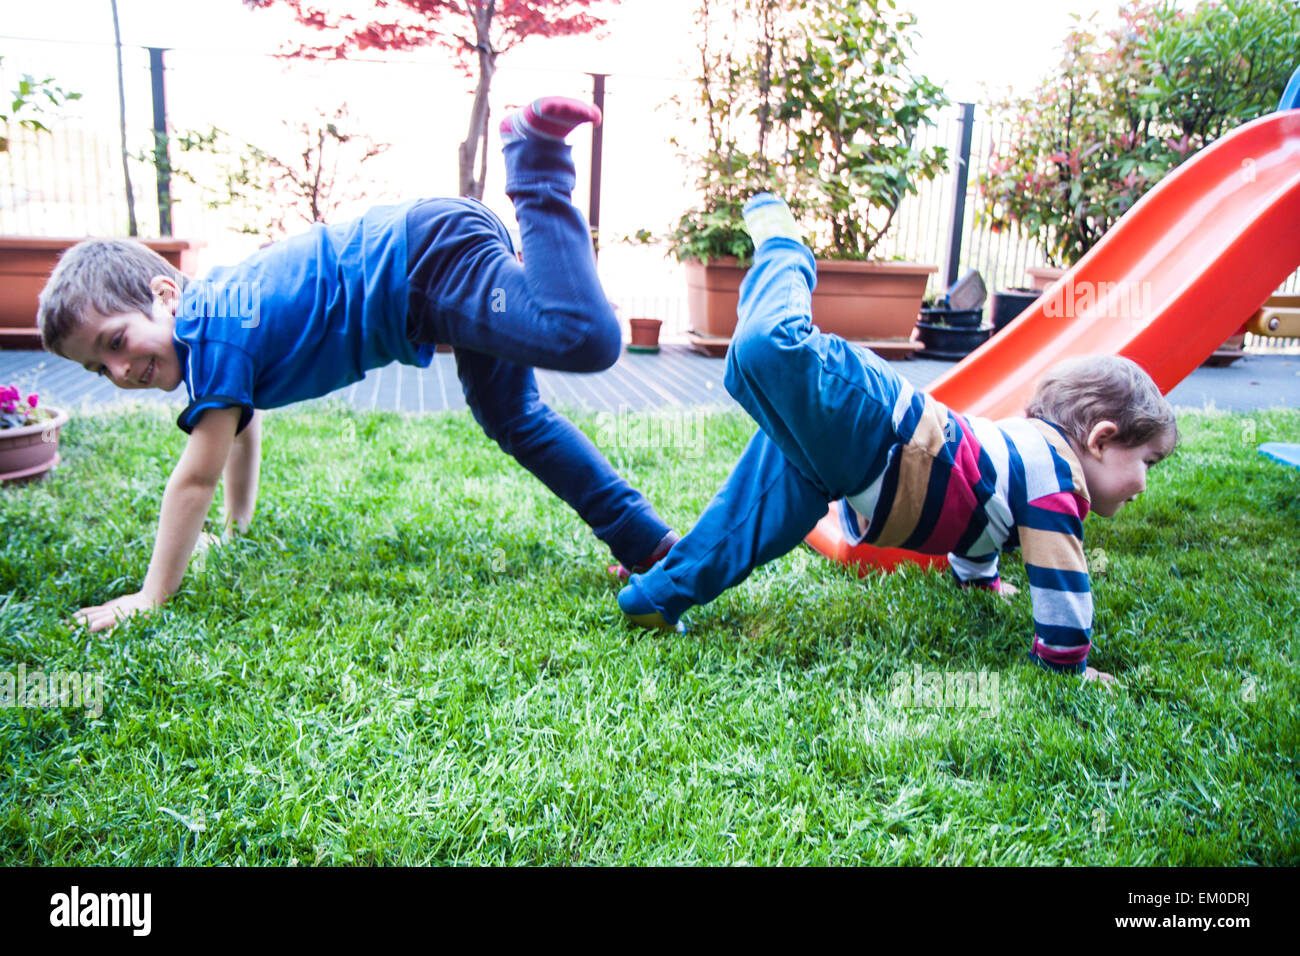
[(1288, 453)]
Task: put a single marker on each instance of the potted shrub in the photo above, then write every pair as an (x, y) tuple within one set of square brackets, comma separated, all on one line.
[(1128, 105), (822, 110), (21, 275), (29, 436)]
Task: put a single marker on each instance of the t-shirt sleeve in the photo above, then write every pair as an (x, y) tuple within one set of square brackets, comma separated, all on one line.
[(218, 375), (1051, 542)]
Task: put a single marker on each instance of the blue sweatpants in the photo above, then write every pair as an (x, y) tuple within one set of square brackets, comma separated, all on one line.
[(502, 318), (825, 415)]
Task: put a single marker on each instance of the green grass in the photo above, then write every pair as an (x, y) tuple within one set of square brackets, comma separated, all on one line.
[(416, 657)]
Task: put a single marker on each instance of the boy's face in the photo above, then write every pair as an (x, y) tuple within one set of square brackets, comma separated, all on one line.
[(132, 349), (1116, 474)]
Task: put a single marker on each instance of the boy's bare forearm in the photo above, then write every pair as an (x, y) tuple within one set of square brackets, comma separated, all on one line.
[(185, 506), (241, 476)]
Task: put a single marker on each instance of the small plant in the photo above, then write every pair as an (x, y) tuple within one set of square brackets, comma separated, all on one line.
[(17, 411), (28, 100)]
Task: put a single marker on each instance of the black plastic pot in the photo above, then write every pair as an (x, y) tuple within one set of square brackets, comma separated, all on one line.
[(949, 343), (958, 318), (1008, 305)]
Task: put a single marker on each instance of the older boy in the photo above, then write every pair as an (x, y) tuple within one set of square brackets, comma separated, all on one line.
[(315, 312), (838, 423)]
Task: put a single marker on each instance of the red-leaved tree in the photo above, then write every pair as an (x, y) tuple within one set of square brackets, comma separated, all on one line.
[(476, 32)]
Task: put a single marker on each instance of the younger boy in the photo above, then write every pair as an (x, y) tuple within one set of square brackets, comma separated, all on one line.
[(836, 422), (314, 313)]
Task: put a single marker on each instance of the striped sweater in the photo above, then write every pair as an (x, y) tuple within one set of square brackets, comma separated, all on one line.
[(972, 488)]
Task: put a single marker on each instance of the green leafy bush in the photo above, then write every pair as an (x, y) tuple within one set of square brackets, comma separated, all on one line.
[(853, 109), (1128, 105), (811, 99)]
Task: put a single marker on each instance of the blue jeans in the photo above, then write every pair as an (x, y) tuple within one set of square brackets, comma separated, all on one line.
[(501, 318), (824, 410)]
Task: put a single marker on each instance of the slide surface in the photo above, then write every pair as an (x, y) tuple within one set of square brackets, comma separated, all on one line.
[(1180, 272)]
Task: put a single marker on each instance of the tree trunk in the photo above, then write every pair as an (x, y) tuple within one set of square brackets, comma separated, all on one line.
[(132, 229), (477, 136)]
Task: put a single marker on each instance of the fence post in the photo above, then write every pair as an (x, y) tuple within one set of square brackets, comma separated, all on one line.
[(597, 144), (161, 156), (959, 194)]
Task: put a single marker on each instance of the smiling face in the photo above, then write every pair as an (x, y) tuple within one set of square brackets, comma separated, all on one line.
[(1116, 474), (131, 349)]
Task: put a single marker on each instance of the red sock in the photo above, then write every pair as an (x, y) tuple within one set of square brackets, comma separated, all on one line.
[(551, 117)]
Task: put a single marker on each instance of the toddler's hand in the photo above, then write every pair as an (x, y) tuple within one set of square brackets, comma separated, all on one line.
[(1091, 673), (108, 615), (1007, 591)]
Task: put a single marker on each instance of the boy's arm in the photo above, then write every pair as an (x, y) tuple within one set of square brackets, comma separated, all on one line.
[(185, 505), (241, 476)]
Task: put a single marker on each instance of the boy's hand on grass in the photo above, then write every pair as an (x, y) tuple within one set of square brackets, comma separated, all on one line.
[(107, 616), (1091, 674)]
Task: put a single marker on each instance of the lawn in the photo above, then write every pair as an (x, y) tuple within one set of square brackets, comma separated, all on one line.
[(416, 657)]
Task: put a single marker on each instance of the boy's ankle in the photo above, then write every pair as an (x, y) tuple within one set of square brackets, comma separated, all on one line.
[(548, 119)]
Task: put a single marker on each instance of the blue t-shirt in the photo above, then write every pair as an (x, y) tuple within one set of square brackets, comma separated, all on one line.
[(297, 319)]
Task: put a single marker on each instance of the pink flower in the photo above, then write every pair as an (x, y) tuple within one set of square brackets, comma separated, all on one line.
[(31, 400)]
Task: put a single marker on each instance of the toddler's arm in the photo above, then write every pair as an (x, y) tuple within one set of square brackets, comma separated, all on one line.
[(1051, 540), (185, 505)]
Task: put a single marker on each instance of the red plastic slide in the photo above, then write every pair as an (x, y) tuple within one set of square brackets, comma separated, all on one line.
[(1179, 273)]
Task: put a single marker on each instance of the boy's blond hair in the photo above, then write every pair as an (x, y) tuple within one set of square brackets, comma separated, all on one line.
[(105, 276), (1078, 393)]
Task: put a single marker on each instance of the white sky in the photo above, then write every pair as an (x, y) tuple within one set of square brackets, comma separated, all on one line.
[(421, 104)]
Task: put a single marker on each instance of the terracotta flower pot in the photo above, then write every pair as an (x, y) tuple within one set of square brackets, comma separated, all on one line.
[(27, 261), (27, 453), (1041, 277), (645, 335), (856, 300)]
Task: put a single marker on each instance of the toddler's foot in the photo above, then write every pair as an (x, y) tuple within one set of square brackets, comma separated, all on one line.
[(642, 612), (767, 216), (649, 561), (548, 118)]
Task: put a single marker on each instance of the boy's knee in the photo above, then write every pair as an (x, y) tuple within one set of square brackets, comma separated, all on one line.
[(600, 344), (751, 352), (605, 344)]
